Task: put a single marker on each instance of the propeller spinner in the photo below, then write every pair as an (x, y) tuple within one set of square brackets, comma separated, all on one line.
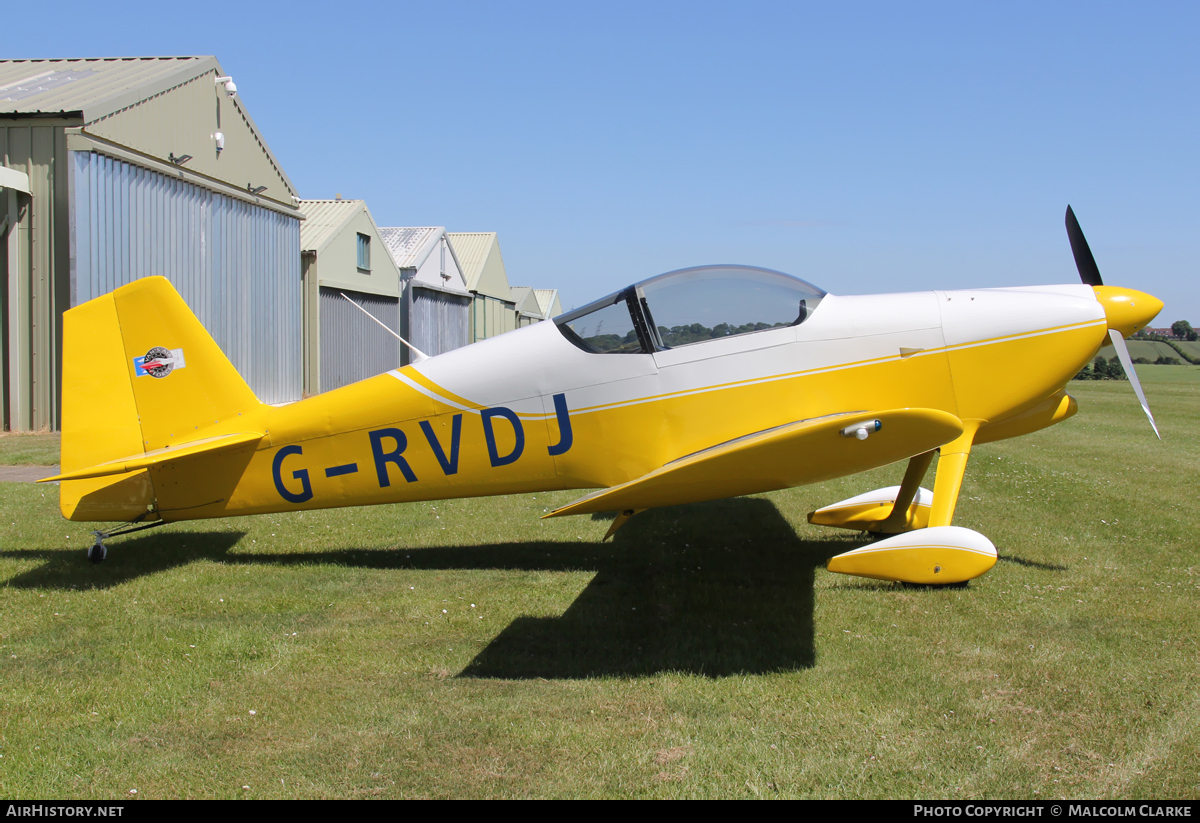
[(1126, 310)]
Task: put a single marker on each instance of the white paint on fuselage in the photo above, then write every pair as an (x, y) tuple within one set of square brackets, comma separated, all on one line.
[(980, 315), (523, 369)]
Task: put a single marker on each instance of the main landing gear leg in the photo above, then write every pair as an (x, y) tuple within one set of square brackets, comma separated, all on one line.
[(952, 465), (935, 556), (897, 521)]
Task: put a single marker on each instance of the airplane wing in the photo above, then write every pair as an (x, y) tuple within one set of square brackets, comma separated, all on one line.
[(807, 451)]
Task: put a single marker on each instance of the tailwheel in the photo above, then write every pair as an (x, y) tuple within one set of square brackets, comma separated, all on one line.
[(98, 552)]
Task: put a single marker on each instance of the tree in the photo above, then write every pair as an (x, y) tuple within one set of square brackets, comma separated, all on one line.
[(1181, 329)]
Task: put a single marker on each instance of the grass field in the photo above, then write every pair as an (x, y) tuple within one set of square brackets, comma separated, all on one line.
[(37, 449), (1149, 349), (1192, 347), (470, 649), (1154, 349)]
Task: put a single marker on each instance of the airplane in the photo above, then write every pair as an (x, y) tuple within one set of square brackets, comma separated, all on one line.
[(695, 385)]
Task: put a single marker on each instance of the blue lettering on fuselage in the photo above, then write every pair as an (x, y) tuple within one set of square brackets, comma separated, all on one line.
[(490, 436), (306, 491), (388, 446), (565, 435), (382, 458), (450, 466)]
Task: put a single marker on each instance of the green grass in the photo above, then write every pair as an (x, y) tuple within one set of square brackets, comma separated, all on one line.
[(1192, 347), (36, 449), (1149, 373), (469, 649), (1149, 349)]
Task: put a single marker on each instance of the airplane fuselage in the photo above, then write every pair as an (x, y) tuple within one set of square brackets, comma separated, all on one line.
[(529, 411)]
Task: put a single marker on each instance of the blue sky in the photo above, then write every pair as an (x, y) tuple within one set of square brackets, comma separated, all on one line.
[(867, 147)]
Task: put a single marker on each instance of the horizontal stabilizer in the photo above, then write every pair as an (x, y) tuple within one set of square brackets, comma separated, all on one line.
[(807, 451), (124, 465)]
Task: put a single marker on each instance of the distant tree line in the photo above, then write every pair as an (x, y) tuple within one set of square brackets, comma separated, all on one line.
[(1183, 330), (694, 333), (1180, 330), (675, 336)]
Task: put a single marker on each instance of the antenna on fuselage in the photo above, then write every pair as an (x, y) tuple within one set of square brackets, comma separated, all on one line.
[(420, 355)]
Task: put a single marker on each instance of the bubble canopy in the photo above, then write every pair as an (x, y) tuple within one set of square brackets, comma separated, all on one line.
[(690, 306)]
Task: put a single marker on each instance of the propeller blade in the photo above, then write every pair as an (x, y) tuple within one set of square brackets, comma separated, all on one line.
[(1089, 273), (1118, 343)]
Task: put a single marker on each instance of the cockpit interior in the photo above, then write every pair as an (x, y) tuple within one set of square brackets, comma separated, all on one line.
[(689, 306)]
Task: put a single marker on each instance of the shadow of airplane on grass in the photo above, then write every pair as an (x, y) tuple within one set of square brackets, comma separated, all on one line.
[(129, 559), (713, 589), (1033, 564)]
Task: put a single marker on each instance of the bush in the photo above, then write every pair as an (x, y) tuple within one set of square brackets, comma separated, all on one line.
[(1102, 369)]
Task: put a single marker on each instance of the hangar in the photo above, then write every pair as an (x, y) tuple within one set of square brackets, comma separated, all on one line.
[(493, 310), (346, 261), (435, 301), (135, 167), (535, 305)]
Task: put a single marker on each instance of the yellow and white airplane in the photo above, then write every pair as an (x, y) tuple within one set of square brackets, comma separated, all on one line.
[(695, 385)]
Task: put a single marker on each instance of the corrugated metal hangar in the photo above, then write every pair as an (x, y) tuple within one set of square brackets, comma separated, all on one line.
[(345, 261), (436, 303), (493, 310), (120, 168), (137, 167)]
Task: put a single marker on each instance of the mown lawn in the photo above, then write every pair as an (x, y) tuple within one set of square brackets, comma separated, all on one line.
[(470, 649), (35, 449)]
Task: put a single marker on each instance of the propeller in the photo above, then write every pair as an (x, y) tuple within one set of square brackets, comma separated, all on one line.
[(1089, 272), (1120, 307), (1118, 342)]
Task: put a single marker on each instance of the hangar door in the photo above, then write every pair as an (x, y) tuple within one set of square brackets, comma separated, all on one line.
[(439, 320), (353, 346), (236, 264)]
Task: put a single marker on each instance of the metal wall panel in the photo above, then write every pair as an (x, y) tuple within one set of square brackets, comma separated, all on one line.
[(38, 149), (353, 347), (491, 316), (440, 322), (236, 265)]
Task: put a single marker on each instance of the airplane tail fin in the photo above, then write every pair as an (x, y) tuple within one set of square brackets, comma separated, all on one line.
[(141, 377)]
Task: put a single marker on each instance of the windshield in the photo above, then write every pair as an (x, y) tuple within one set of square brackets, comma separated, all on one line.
[(603, 327), (690, 306)]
